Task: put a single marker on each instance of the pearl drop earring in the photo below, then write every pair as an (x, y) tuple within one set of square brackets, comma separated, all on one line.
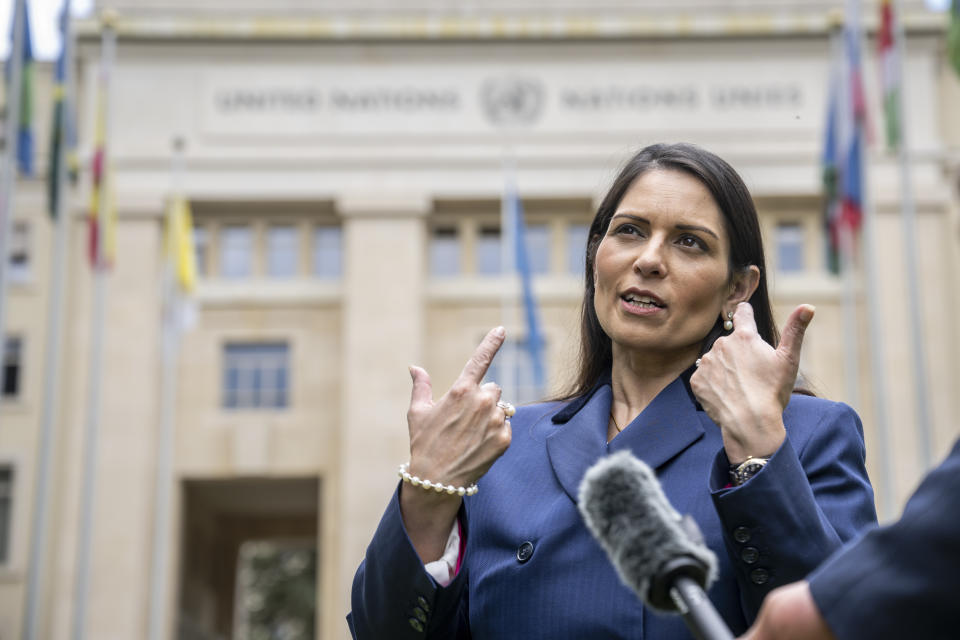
[(728, 323)]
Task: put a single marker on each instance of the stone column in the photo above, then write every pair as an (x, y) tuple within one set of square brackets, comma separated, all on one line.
[(383, 317)]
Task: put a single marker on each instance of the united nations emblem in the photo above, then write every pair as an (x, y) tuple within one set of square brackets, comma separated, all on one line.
[(512, 100)]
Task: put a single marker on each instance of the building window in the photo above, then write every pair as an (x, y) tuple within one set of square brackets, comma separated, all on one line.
[(488, 251), (12, 367), (538, 248), (328, 252), (282, 251), (445, 252), (256, 376), (201, 245), (577, 248), (19, 252), (6, 512), (236, 251), (790, 247)]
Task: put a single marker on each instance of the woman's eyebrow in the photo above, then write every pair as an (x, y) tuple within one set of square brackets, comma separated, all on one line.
[(631, 216), (694, 227), (681, 227)]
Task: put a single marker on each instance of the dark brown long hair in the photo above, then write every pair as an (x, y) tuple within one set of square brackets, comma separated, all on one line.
[(740, 220)]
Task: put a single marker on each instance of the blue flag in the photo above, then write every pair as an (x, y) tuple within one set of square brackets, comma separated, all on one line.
[(25, 125), (844, 138), (535, 342)]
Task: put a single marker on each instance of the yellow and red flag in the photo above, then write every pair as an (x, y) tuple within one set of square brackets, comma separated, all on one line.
[(101, 257)]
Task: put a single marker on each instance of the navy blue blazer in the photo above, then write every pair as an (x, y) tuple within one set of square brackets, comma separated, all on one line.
[(903, 580), (811, 497)]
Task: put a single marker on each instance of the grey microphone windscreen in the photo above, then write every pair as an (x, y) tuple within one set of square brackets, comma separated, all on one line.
[(625, 509)]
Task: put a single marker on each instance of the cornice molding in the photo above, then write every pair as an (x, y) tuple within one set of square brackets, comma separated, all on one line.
[(433, 26)]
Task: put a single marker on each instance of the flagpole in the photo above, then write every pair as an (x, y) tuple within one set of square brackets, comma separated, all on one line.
[(159, 572), (81, 586), (508, 377), (877, 354), (908, 226), (851, 345), (41, 496), (11, 142), (875, 319)]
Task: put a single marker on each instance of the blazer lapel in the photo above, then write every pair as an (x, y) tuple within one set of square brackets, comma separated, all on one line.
[(580, 442), (670, 424), (663, 430)]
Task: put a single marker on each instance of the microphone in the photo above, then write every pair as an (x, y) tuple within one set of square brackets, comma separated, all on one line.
[(657, 553)]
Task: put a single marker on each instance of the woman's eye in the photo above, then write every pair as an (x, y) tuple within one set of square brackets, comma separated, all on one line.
[(691, 241), (628, 229)]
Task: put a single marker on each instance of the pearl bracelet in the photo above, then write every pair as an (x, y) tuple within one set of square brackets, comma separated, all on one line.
[(436, 486)]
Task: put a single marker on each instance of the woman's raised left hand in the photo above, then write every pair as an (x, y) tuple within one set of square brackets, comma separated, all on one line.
[(744, 384)]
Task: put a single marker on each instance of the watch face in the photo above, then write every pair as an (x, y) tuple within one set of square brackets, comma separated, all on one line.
[(752, 468), (748, 470)]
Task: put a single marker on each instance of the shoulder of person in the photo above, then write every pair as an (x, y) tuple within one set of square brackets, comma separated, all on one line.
[(534, 412), (535, 421), (809, 417), (807, 406)]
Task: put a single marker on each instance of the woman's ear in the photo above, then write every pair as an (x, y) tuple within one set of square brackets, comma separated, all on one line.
[(744, 283)]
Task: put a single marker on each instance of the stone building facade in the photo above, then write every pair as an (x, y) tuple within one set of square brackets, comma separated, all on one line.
[(345, 163)]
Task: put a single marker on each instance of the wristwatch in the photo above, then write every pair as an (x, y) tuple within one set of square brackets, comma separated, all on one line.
[(740, 473)]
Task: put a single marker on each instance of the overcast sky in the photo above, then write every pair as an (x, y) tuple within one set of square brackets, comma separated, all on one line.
[(46, 39), (43, 24)]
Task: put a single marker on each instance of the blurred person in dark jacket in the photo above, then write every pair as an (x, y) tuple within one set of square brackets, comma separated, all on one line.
[(898, 581)]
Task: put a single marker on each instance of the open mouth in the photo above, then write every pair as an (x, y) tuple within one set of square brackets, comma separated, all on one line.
[(644, 302)]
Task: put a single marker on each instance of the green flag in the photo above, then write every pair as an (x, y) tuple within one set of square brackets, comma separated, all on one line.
[(953, 37), (62, 140)]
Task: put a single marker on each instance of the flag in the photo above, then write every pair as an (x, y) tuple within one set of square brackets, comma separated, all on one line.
[(829, 176), (63, 134), (534, 342), (953, 38), (101, 187), (179, 270), (845, 133), (25, 125), (889, 73), (178, 245)]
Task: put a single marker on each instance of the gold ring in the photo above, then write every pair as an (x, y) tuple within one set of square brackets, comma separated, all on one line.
[(507, 408)]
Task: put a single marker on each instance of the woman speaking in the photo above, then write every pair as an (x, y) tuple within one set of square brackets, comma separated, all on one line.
[(680, 363)]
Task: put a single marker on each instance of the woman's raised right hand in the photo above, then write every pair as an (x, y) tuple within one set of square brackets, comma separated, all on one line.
[(457, 438), (454, 440)]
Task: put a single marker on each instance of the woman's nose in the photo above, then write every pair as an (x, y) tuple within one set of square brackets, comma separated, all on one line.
[(650, 260)]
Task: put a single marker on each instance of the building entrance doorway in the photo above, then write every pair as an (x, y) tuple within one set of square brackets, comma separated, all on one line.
[(249, 561)]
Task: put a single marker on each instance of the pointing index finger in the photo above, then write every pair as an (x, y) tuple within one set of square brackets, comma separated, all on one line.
[(479, 362)]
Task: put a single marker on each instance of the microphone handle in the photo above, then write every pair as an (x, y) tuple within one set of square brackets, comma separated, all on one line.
[(701, 617)]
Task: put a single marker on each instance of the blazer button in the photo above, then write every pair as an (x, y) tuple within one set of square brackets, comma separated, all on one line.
[(750, 555), (741, 535), (525, 551), (416, 624), (759, 576), (423, 603)]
